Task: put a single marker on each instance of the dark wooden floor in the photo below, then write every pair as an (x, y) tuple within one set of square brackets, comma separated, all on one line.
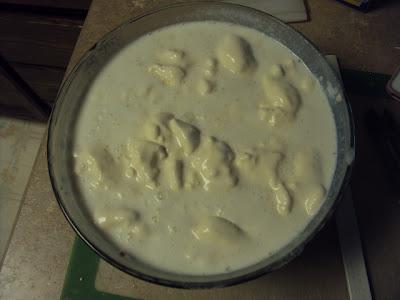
[(37, 38)]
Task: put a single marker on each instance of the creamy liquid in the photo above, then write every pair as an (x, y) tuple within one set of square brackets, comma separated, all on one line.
[(165, 191)]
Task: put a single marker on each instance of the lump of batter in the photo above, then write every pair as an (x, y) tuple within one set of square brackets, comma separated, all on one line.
[(128, 221), (281, 102), (87, 167), (192, 179), (204, 86), (307, 84), (282, 197), (144, 158), (290, 64), (174, 134), (206, 161), (213, 161), (173, 173), (171, 68), (210, 67), (235, 54), (186, 135), (218, 230), (172, 57), (99, 168), (157, 130), (261, 166), (168, 74), (307, 182), (175, 153), (114, 216), (313, 195), (277, 71)]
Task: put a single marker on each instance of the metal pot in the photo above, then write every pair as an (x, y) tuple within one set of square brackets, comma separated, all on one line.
[(72, 95)]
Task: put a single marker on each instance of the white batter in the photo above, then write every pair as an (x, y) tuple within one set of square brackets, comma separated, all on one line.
[(203, 148)]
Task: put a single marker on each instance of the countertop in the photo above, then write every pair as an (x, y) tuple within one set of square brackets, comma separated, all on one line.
[(38, 254)]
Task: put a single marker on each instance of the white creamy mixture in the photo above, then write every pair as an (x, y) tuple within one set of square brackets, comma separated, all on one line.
[(204, 147)]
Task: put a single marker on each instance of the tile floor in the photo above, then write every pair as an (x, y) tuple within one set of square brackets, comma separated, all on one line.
[(19, 144)]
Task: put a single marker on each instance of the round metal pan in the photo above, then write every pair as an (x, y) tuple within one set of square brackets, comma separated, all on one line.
[(74, 90)]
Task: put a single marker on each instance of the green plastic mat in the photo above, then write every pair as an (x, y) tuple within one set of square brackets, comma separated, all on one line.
[(81, 274)]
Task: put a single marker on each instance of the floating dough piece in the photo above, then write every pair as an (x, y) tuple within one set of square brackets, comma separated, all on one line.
[(282, 197), (281, 103), (204, 161), (99, 168), (259, 165), (234, 53), (204, 87), (314, 195), (111, 217), (274, 116), (186, 135), (152, 131), (127, 221), (138, 230), (144, 157), (211, 67), (307, 183), (290, 64), (172, 57), (218, 230), (192, 178), (173, 172), (280, 93), (169, 75), (277, 71), (157, 130), (87, 167), (213, 161), (307, 84), (247, 160)]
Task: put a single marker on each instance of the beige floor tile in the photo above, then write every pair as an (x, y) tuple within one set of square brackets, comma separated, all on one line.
[(8, 212), (19, 143)]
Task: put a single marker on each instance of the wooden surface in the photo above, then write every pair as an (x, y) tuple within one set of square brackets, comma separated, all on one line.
[(38, 45), (361, 41), (64, 4), (9, 94), (38, 253), (43, 79), (44, 43), (35, 39)]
